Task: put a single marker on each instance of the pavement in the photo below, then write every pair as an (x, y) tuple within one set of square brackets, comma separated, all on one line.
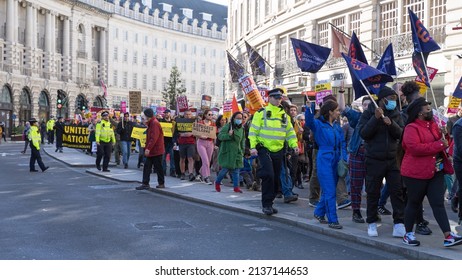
[(295, 214)]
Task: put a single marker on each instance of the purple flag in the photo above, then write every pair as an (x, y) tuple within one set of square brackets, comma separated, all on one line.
[(257, 63), (421, 38), (367, 74), (419, 67), (458, 91), (356, 51), (386, 65), (310, 57), (235, 69)]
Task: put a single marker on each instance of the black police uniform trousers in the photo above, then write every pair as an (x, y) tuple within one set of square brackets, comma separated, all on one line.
[(35, 156), (104, 149), (51, 137), (269, 171)]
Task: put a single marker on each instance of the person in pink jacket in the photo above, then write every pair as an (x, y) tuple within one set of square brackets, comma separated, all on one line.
[(423, 167)]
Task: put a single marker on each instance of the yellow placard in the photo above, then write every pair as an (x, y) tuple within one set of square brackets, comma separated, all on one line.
[(167, 128), (139, 133), (454, 102), (322, 87)]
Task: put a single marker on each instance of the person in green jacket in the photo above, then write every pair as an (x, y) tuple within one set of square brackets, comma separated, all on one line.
[(231, 153), (34, 140)]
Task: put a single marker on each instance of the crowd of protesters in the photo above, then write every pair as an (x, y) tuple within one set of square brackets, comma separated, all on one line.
[(392, 145)]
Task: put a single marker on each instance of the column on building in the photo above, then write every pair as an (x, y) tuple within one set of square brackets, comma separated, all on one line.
[(102, 57), (49, 44), (30, 38), (11, 34), (66, 49)]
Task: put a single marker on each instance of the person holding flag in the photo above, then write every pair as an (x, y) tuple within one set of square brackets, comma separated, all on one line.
[(381, 128)]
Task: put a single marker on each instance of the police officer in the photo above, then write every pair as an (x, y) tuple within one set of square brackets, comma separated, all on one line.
[(270, 128), (51, 130), (105, 138), (34, 140)]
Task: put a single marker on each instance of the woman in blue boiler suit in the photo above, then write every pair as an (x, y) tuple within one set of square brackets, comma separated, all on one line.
[(329, 136)]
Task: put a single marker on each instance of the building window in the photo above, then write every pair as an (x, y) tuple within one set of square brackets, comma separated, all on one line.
[(135, 80), (193, 67), (183, 65), (213, 70), (116, 33), (116, 53), (388, 20), (125, 55), (257, 13), (193, 87), (164, 62), (154, 82), (283, 48), (437, 13), (164, 83), (165, 44), (290, 51), (185, 48), (355, 23), (323, 31), (417, 6), (212, 88), (115, 78), (194, 50), (145, 81), (145, 40), (202, 68), (202, 88), (282, 4), (145, 59), (124, 80), (126, 36), (267, 7), (135, 57), (154, 61), (174, 46), (154, 43)]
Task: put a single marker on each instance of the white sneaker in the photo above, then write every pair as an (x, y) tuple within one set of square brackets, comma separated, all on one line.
[(372, 230), (399, 230)]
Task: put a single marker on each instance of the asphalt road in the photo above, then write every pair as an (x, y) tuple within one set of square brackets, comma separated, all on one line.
[(67, 214)]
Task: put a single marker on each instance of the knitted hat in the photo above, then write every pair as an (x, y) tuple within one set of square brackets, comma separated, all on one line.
[(386, 91), (148, 112)]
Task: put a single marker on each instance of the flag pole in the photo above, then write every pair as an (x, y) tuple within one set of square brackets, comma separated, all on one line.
[(370, 95)]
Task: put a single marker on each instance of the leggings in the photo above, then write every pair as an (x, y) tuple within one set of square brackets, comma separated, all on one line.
[(434, 189), (205, 150)]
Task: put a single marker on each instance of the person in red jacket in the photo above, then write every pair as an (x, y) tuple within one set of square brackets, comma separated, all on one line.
[(423, 167), (153, 151)]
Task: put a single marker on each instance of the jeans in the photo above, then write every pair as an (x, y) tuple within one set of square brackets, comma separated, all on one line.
[(126, 149), (234, 174), (286, 182), (168, 151)]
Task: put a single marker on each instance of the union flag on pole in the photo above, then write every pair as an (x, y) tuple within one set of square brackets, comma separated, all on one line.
[(235, 68), (310, 57), (386, 65), (421, 38), (458, 91)]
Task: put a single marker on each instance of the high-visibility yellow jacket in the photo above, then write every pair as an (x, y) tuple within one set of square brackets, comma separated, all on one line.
[(34, 136), (50, 124), (104, 132), (271, 127)]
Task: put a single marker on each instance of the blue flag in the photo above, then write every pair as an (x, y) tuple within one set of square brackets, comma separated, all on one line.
[(458, 91), (386, 65), (310, 57), (367, 74), (257, 63), (235, 69), (421, 38), (356, 51)]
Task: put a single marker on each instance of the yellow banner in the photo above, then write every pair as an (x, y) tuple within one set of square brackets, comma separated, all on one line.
[(454, 102), (167, 128)]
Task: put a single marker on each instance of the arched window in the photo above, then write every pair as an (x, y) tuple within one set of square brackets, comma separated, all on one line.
[(24, 100), (43, 99), (5, 97)]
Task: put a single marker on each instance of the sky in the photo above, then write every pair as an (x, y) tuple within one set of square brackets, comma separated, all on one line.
[(221, 2)]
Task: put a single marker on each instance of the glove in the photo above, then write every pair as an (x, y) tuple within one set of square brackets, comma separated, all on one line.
[(296, 151), (254, 152)]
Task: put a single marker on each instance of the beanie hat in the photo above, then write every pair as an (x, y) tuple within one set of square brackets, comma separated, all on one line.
[(385, 91), (149, 113)]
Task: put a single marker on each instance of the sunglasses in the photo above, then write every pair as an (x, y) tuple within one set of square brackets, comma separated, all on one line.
[(209, 115)]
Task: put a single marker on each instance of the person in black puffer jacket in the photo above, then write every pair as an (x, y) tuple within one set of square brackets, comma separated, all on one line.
[(124, 129), (381, 129)]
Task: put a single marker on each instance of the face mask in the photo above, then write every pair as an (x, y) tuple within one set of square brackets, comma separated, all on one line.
[(391, 105), (238, 122), (428, 116)]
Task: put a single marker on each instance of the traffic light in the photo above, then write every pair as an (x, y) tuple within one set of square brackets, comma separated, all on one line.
[(59, 102)]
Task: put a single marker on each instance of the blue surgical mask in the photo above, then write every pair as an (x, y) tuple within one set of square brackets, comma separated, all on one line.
[(390, 105), (237, 122)]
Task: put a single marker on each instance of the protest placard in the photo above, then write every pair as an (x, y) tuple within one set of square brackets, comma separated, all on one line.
[(202, 130)]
